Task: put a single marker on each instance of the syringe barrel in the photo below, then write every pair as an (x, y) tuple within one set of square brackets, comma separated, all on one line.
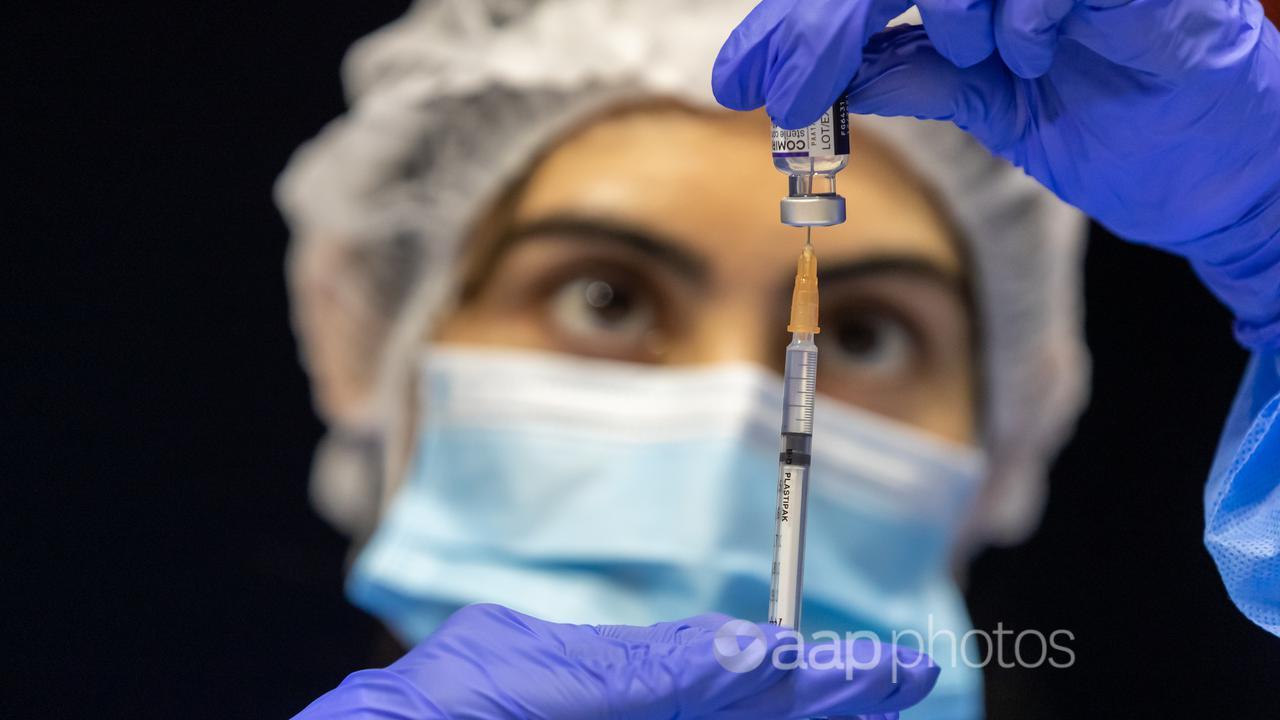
[(800, 379), (786, 592)]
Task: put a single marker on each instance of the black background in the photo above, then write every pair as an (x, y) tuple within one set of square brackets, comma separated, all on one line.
[(160, 557)]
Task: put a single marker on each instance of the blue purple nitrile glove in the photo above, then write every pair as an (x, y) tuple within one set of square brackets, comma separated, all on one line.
[(1159, 118), (487, 661)]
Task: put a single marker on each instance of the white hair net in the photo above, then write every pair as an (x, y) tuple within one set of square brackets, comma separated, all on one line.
[(454, 100)]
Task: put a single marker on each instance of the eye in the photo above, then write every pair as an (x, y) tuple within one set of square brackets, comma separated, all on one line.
[(872, 342), (603, 311)]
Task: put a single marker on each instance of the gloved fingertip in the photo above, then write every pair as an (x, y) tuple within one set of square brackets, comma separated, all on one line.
[(962, 35), (734, 82), (916, 673), (965, 50), (1027, 68), (790, 117), (734, 97), (970, 55), (1028, 59)]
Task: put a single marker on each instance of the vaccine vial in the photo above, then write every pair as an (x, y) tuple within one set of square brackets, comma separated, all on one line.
[(811, 156)]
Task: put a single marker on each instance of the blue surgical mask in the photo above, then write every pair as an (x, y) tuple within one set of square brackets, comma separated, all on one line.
[(593, 491)]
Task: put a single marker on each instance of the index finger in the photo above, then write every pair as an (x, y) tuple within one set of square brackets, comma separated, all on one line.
[(796, 58)]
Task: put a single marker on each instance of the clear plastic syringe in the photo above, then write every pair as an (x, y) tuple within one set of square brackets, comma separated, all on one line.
[(811, 157), (799, 387)]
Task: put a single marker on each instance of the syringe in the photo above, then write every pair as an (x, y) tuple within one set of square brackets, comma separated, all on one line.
[(811, 157), (799, 386)]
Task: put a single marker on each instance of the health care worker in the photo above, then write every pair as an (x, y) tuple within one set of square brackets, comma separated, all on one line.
[(537, 279)]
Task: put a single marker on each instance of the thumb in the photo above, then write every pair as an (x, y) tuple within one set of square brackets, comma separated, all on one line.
[(902, 74)]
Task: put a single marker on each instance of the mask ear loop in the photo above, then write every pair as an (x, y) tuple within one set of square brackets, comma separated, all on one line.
[(397, 402)]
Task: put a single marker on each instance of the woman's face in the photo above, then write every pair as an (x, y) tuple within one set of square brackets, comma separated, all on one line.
[(652, 236)]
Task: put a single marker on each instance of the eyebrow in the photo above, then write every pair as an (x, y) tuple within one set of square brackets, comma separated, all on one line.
[(650, 243)]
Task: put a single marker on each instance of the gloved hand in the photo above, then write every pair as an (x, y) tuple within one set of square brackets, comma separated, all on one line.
[(487, 661), (1159, 118)]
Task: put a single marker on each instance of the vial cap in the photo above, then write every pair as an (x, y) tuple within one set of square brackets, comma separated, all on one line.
[(813, 210)]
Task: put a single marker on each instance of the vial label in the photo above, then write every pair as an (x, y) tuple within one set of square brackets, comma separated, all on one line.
[(828, 136)]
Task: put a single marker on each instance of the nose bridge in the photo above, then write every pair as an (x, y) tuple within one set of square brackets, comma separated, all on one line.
[(737, 326)]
